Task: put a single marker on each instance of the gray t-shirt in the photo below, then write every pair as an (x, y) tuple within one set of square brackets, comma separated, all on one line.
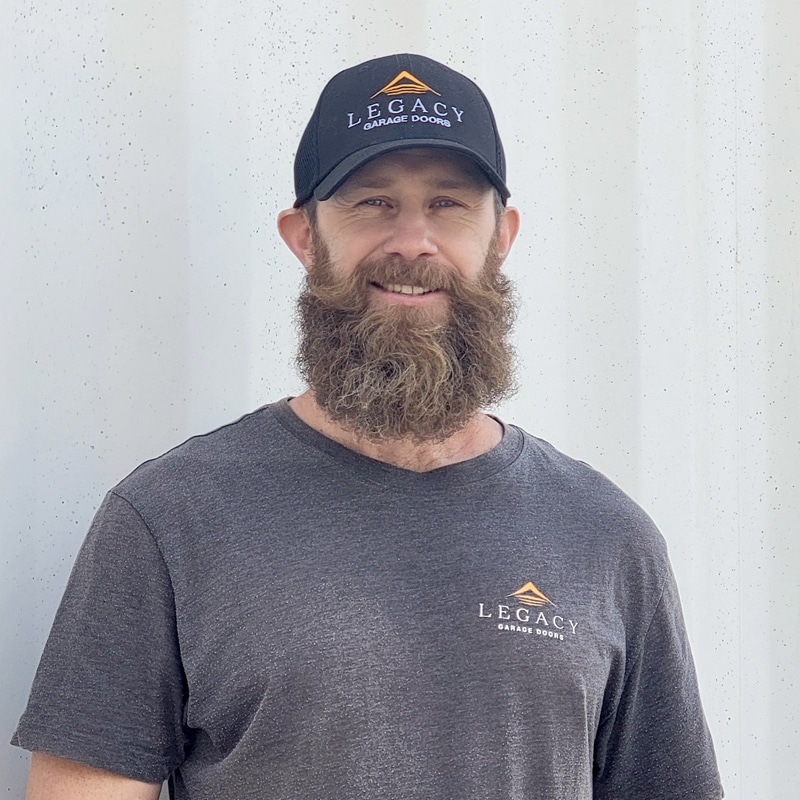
[(262, 614)]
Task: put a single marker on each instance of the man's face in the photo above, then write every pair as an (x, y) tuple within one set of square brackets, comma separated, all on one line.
[(406, 313), (412, 206)]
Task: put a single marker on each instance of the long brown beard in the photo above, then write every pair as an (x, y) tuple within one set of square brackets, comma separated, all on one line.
[(394, 371)]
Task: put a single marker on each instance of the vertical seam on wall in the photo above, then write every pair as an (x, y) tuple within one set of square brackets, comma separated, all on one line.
[(738, 369)]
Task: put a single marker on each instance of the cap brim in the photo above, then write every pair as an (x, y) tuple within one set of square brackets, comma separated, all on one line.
[(345, 168)]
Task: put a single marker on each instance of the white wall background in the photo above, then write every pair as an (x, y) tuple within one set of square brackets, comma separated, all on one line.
[(654, 150)]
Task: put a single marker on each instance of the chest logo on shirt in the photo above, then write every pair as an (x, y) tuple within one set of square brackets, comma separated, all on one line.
[(531, 595), (520, 615)]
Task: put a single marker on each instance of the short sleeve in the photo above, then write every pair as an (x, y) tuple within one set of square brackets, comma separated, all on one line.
[(109, 690), (653, 742)]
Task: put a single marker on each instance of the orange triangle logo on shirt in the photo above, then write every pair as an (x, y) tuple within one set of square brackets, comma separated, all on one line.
[(531, 595)]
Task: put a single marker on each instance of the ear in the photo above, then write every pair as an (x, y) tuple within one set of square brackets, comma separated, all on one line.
[(295, 229), (507, 230)]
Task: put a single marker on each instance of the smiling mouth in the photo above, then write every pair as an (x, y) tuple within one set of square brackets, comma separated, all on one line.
[(404, 288)]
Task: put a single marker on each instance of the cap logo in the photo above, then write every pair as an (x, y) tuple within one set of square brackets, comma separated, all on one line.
[(405, 83), (394, 109)]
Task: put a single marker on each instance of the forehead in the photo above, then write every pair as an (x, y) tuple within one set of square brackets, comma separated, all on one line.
[(433, 166)]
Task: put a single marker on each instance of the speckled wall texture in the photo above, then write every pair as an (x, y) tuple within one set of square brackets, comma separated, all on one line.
[(653, 150)]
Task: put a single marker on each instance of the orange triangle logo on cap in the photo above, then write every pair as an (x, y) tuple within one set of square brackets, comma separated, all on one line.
[(405, 83)]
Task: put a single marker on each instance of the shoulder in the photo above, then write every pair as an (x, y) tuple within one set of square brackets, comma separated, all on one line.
[(590, 507), (233, 450), (577, 485)]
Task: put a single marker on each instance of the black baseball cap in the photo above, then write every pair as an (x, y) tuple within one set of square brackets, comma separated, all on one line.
[(388, 104)]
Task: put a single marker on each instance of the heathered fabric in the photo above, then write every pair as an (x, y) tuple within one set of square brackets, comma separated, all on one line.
[(262, 614)]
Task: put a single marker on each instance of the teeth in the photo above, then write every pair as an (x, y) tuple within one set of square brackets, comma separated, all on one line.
[(404, 288)]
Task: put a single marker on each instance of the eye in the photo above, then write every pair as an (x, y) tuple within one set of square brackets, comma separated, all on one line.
[(445, 202), (373, 202)]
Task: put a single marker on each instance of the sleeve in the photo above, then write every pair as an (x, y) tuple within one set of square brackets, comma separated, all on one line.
[(109, 690), (653, 742)]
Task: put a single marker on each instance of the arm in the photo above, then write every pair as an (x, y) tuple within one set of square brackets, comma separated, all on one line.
[(54, 778), (653, 742), (109, 687)]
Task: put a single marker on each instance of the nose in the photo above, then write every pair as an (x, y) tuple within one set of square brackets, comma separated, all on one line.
[(411, 236)]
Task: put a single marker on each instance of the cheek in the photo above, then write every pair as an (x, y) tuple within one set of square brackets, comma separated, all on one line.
[(347, 254), (469, 261)]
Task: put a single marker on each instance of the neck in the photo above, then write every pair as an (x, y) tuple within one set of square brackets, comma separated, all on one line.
[(478, 436)]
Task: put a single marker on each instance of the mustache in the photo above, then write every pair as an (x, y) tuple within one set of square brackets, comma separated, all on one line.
[(349, 293)]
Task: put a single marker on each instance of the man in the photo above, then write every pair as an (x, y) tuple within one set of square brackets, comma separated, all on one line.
[(375, 589)]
